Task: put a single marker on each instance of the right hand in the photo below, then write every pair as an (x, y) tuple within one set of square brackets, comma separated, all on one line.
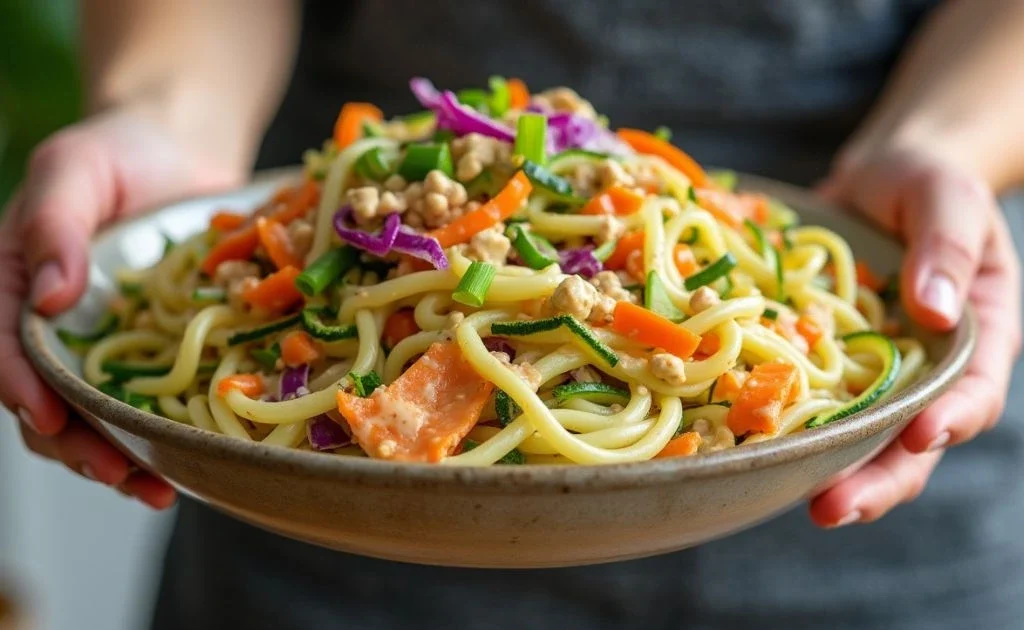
[(92, 173)]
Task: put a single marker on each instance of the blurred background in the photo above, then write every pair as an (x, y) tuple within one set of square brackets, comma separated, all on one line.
[(72, 555)]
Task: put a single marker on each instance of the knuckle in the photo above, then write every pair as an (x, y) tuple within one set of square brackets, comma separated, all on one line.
[(51, 151)]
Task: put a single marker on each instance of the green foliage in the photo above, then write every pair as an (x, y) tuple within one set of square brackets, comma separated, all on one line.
[(40, 88)]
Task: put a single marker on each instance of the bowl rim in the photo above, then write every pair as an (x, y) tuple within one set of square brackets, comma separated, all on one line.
[(540, 478)]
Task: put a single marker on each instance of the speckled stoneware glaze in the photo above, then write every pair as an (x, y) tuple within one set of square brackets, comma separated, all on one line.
[(503, 516)]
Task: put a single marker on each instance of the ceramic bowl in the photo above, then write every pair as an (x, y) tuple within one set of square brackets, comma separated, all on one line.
[(502, 516)]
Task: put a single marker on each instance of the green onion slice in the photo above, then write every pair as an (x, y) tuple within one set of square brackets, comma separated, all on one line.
[(712, 272), (770, 313), (605, 250), (374, 165), (473, 286), (209, 294), (420, 159), (663, 133), (326, 269), (500, 99), (139, 401), (531, 137), (506, 408)]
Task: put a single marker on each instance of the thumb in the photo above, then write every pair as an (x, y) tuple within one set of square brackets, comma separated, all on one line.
[(69, 191), (945, 220)]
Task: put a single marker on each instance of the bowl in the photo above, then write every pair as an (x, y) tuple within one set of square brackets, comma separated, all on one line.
[(501, 516)]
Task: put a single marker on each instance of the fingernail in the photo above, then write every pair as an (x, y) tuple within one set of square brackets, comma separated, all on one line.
[(939, 442), (850, 518), (940, 296), (26, 417), (48, 281), (88, 472)]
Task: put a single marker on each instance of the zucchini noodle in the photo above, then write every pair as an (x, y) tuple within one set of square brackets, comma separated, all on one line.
[(636, 310)]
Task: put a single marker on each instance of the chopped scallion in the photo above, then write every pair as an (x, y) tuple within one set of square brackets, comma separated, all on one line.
[(267, 357), (326, 269), (365, 384), (663, 133), (209, 294), (472, 288), (712, 272), (420, 159), (500, 98), (374, 165), (531, 137), (771, 314), (104, 327)]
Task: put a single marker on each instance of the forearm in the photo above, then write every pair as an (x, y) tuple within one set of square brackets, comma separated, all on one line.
[(959, 92), (212, 71)]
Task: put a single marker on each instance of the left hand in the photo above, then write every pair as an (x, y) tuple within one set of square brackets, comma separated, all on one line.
[(959, 251)]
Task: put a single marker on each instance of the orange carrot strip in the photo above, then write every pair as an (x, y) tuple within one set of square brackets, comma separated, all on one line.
[(758, 408), (682, 446), (440, 398), (224, 221), (237, 245), (349, 126), (685, 260), (616, 200), (728, 386), (627, 245), (242, 243), (867, 278), (398, 326), (274, 238), (649, 328), (518, 94), (809, 330), (276, 293), (709, 345), (500, 207), (299, 348), (644, 142), (249, 384)]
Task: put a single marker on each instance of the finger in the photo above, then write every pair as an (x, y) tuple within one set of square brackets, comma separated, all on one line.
[(155, 493), (86, 452), (38, 444), (69, 190), (946, 219), (21, 389), (976, 402), (894, 477)]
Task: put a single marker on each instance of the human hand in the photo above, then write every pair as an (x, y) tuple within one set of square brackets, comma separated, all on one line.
[(959, 251), (82, 177)]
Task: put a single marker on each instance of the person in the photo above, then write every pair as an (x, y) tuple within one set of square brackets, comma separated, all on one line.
[(920, 103)]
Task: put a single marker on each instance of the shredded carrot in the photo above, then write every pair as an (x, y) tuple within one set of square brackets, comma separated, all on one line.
[(519, 94), (709, 345), (349, 126), (758, 408), (728, 386), (298, 348), (500, 207), (616, 200), (809, 329), (649, 328), (242, 243), (732, 208), (867, 278), (399, 325), (225, 221), (249, 384), (425, 414), (276, 293), (682, 446), (685, 260), (623, 248), (644, 142), (274, 238)]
